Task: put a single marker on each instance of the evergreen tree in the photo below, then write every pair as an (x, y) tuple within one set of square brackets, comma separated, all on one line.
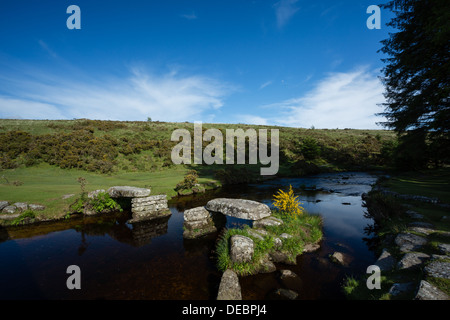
[(417, 79)]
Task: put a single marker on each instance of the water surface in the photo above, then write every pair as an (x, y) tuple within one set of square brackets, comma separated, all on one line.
[(151, 260)]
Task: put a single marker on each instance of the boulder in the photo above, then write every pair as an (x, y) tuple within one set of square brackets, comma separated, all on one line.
[(283, 257), (9, 209), (444, 248), (438, 269), (128, 192), (197, 222), (3, 204), (239, 208), (409, 242), (269, 221), (229, 288), (429, 292), (94, 194), (412, 260), (386, 261), (242, 249), (21, 206), (399, 288), (196, 214), (149, 207)]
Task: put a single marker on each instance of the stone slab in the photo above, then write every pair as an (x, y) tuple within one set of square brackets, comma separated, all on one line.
[(128, 192), (239, 208)]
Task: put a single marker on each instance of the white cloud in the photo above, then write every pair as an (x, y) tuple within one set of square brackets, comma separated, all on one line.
[(284, 11), (169, 97), (251, 119), (341, 100)]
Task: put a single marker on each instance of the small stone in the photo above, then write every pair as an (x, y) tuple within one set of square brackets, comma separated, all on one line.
[(229, 288), (287, 274), (399, 288), (414, 215), (242, 248), (36, 207), (420, 224), (67, 196), (339, 258), (311, 247), (286, 294)]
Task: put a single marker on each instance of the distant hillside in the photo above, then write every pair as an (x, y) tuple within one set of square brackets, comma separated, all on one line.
[(121, 146)]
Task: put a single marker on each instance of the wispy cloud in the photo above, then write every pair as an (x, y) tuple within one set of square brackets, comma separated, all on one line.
[(265, 84), (284, 11), (166, 97), (189, 16), (341, 100)]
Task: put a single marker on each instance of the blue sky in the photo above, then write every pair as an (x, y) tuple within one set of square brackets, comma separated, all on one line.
[(283, 62)]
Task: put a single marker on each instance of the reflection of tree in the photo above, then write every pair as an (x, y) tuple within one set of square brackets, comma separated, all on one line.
[(83, 246)]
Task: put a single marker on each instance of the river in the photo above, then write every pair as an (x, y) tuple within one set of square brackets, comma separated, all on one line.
[(152, 261)]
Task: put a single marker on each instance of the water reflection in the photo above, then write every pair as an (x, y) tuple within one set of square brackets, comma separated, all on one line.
[(152, 260)]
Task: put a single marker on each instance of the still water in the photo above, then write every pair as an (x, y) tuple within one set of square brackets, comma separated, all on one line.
[(151, 260)]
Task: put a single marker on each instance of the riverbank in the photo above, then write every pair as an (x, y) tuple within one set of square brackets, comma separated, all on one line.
[(411, 211)]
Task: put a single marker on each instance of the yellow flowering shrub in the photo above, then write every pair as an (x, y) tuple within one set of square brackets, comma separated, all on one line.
[(287, 203)]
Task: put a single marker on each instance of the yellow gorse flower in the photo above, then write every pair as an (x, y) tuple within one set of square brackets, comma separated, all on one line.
[(288, 203)]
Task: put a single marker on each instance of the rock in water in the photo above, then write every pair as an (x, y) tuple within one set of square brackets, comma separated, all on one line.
[(128, 192), (239, 208), (229, 288)]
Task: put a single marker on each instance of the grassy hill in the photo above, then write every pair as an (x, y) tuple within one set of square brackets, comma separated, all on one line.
[(41, 160)]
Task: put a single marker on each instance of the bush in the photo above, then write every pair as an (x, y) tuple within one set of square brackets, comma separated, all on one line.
[(287, 203), (189, 181)]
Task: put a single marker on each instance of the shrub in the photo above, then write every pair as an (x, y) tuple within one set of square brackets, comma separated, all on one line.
[(189, 181), (287, 203), (103, 203)]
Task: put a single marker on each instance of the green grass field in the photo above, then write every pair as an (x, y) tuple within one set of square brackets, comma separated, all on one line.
[(41, 160)]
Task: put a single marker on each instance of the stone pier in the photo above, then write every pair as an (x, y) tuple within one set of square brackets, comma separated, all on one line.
[(143, 206)]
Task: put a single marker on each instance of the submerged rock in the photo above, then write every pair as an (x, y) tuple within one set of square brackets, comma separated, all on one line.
[(239, 208), (285, 294)]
